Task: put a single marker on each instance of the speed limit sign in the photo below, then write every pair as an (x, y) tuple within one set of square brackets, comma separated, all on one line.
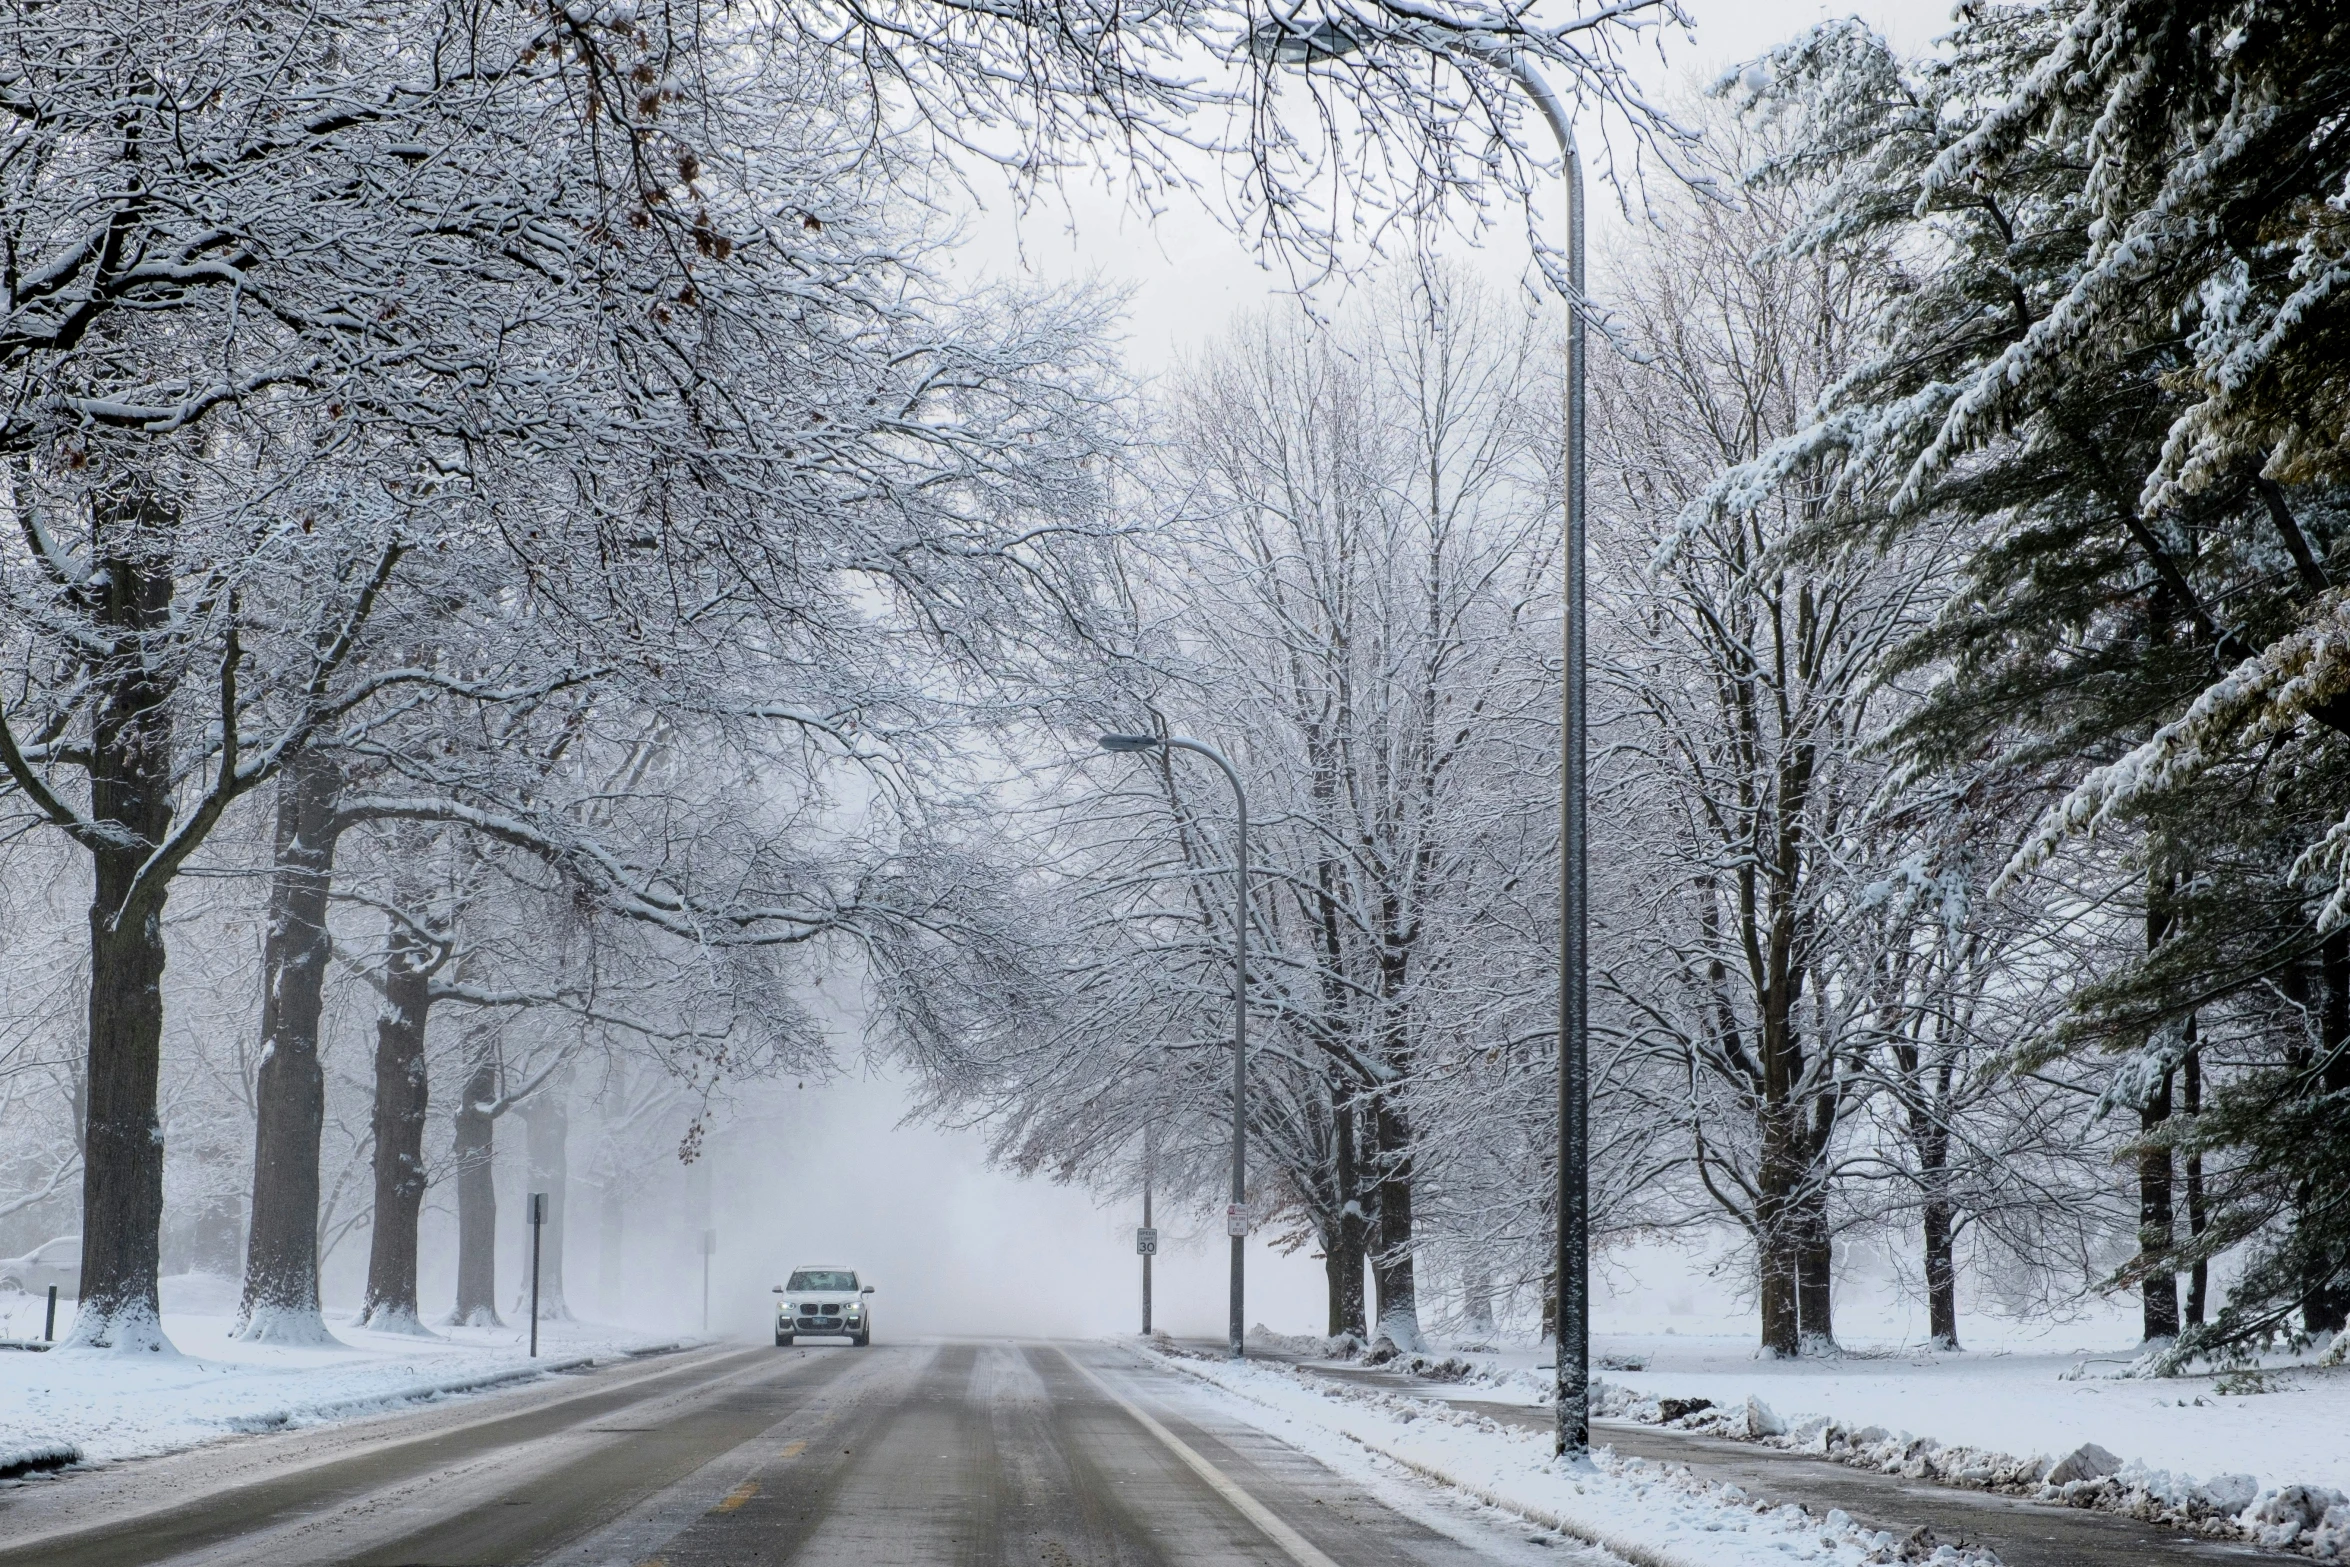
[(1146, 1242)]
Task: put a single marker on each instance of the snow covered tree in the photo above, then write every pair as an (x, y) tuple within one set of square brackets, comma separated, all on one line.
[(1354, 600), (1741, 690), (2115, 217), (291, 293)]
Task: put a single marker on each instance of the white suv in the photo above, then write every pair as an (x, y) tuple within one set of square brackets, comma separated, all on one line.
[(824, 1300)]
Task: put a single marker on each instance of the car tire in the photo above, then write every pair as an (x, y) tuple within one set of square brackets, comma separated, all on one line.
[(860, 1340), (783, 1341)]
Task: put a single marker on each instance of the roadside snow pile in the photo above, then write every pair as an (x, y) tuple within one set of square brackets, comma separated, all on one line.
[(23, 1455), (1531, 1384), (2311, 1519), (99, 1407), (1650, 1514)]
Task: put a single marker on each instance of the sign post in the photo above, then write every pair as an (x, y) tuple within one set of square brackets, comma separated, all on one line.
[(538, 1225), (49, 1323), (1146, 1239), (709, 1250), (1146, 1246)]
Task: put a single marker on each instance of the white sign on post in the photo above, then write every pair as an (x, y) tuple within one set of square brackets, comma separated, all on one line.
[(1146, 1241), (1236, 1218)]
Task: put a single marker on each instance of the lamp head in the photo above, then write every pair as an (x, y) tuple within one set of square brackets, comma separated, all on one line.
[(1301, 43), (1130, 742)]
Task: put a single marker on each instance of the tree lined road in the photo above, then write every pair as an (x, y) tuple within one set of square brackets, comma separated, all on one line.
[(1041, 1455)]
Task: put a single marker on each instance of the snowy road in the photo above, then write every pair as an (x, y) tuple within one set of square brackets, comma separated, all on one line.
[(1039, 1455)]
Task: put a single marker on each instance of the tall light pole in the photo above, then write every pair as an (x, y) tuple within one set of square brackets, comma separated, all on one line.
[(1236, 1220), (1302, 42)]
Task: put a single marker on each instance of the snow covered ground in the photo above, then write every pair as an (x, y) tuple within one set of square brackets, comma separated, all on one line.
[(112, 1407), (1646, 1514), (2284, 1426), (2262, 1456), (2287, 1425)]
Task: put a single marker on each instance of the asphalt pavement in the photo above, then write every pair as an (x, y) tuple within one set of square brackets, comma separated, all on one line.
[(945, 1453)]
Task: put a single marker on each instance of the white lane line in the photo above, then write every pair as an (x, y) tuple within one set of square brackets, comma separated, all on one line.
[(1298, 1548)]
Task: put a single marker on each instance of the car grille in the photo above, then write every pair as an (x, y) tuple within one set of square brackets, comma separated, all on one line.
[(816, 1318)]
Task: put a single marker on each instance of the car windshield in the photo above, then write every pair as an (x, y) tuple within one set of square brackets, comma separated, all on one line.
[(821, 1279)]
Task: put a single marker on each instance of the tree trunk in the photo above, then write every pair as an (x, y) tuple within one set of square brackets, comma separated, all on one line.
[(130, 788), (1343, 1249), (1391, 1256), (279, 1304), (1477, 1296), (1814, 1273), (1931, 1137), (611, 1237), (477, 1193), (2155, 1219), (401, 1094), (1941, 1275), (2326, 1308), (2199, 1277), (1777, 1238), (546, 1129)]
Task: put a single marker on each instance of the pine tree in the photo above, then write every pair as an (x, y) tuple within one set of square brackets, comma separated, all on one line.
[(2117, 362)]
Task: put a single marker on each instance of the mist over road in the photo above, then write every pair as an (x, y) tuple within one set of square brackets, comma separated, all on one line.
[(1044, 1455)]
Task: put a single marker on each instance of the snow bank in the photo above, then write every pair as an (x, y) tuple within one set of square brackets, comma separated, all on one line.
[(19, 1456), (2285, 1426), (1656, 1516), (2312, 1519), (103, 1407), (2026, 1424)]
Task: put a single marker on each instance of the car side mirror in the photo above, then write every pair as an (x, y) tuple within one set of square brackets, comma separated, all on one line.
[(776, 1291), (867, 1290)]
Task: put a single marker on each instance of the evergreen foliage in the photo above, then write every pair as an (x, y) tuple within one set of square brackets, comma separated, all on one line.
[(2115, 356)]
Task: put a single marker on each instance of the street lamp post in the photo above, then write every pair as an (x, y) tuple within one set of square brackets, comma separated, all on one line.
[(1302, 42), (1236, 1215)]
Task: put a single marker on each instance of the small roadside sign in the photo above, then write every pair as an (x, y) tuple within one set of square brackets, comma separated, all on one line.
[(1236, 1218), (1146, 1242)]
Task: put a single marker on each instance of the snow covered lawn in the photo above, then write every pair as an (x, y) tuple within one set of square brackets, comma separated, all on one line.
[(2029, 1402), (110, 1407), (1647, 1514), (2262, 1456), (2284, 1426)]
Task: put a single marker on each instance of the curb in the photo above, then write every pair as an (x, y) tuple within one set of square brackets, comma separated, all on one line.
[(1590, 1534), (279, 1419), (24, 1458)]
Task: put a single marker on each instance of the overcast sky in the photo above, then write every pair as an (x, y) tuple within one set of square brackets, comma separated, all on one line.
[(1189, 277)]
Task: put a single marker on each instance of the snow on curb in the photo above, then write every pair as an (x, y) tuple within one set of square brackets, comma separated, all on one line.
[(113, 1408), (2313, 1520), (19, 1456), (394, 1398), (1653, 1516)]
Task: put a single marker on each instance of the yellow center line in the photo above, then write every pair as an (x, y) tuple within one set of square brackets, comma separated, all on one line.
[(736, 1497), (792, 1449)]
